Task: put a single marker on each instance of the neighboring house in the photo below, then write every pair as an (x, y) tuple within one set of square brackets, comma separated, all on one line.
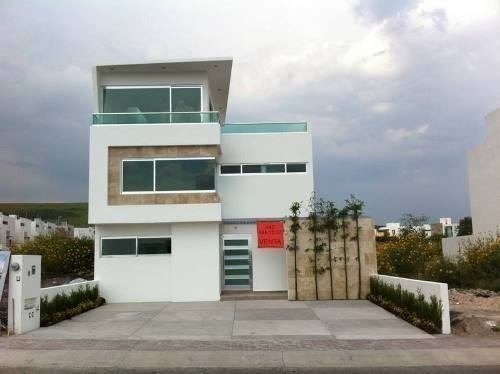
[(38, 227), (484, 188), (392, 229), (175, 193), (84, 232), (445, 227), (7, 230), (484, 179), (22, 229)]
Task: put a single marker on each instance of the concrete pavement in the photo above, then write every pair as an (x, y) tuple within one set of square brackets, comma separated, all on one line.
[(246, 336)]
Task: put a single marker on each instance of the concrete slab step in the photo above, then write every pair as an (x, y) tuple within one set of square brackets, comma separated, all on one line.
[(253, 295)]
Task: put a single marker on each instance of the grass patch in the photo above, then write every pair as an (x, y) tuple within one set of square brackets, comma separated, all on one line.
[(64, 306), (421, 313), (75, 214)]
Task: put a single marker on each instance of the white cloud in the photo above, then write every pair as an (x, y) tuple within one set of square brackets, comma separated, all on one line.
[(382, 107), (401, 134)]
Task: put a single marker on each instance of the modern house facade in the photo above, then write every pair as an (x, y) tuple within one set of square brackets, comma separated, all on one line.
[(176, 194)]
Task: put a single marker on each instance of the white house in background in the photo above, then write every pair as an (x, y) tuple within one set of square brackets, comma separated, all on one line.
[(22, 229), (176, 194), (484, 188), (7, 230), (84, 232), (484, 179), (445, 227), (38, 227)]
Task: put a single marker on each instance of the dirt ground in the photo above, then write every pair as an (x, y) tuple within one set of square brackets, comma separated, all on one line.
[(475, 312)]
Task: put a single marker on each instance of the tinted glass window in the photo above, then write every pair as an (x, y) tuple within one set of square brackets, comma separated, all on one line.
[(252, 169), (113, 247), (186, 99), (230, 169), (275, 168), (137, 176), (236, 242), (136, 100), (185, 175), (296, 168), (154, 246)]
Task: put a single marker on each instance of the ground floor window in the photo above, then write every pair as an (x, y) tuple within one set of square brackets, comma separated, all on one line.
[(134, 246)]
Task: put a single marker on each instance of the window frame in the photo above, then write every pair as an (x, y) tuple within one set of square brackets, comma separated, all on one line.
[(154, 175), (136, 237), (241, 173), (137, 86)]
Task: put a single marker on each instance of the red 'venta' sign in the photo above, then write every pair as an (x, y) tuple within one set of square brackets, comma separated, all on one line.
[(270, 234)]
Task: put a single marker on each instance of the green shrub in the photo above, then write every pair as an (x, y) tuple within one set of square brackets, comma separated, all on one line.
[(409, 306), (61, 254), (64, 306)]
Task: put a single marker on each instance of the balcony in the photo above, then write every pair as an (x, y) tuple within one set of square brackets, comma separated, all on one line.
[(154, 118), (262, 128)]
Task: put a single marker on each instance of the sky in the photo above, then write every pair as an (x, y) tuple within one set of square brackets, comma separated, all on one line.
[(396, 91)]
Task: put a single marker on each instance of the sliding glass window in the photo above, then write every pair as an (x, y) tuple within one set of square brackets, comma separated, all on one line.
[(168, 175), (185, 175), (136, 99), (138, 176), (134, 246), (292, 167), (264, 168)]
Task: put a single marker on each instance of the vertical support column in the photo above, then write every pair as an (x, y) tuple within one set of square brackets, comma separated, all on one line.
[(24, 293)]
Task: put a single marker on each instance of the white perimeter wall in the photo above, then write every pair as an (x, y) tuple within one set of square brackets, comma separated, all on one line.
[(484, 179), (66, 289), (189, 273), (264, 196), (428, 289), (268, 264)]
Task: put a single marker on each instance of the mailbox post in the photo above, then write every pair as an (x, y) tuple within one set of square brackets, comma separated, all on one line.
[(24, 293)]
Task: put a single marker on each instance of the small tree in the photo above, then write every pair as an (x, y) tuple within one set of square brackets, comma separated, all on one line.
[(413, 224), (344, 225), (331, 226), (315, 226), (355, 206), (294, 228)]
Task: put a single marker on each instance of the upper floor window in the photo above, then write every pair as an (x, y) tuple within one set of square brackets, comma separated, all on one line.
[(275, 168), (168, 175), (145, 99)]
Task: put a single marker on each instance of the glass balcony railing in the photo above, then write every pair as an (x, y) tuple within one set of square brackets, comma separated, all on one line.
[(255, 128), (154, 117)]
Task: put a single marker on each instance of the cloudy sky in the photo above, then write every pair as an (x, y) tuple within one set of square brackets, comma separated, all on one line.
[(396, 91)]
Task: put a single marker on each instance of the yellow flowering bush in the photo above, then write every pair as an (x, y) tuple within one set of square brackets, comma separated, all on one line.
[(61, 254)]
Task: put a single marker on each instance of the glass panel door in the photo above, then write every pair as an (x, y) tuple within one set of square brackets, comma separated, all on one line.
[(237, 263)]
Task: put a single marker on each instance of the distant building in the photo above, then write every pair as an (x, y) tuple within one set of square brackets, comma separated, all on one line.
[(445, 227), (22, 229), (7, 230), (84, 232)]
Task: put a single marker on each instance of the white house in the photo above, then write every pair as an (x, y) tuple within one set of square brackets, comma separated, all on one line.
[(22, 229), (176, 194), (38, 227), (7, 230), (84, 232)]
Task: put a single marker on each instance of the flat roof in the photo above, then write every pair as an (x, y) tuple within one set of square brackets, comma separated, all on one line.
[(218, 70)]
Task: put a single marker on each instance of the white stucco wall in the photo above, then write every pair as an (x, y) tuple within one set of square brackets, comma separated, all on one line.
[(484, 179), (428, 289), (102, 137), (189, 273), (195, 262), (268, 264), (264, 196), (133, 278)]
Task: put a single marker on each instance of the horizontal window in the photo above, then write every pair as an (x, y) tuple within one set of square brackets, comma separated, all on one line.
[(154, 246), (296, 168), (115, 247), (135, 246), (168, 175), (185, 175), (230, 169), (292, 167), (147, 99), (264, 168)]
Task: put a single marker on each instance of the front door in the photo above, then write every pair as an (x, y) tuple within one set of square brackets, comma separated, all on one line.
[(237, 262)]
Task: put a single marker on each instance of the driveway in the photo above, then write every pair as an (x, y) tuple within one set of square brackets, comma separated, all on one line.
[(233, 320)]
